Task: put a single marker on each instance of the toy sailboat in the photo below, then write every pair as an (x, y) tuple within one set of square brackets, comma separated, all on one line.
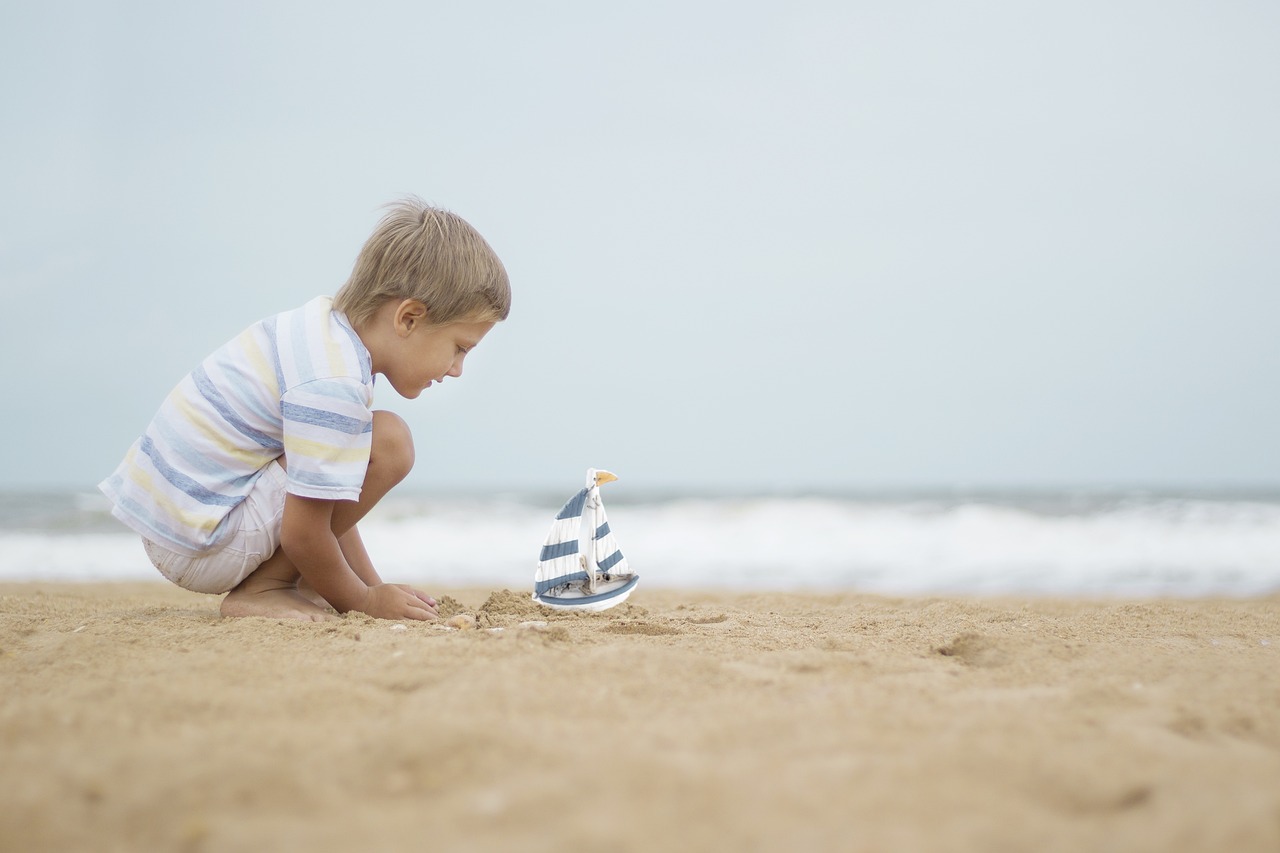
[(593, 577)]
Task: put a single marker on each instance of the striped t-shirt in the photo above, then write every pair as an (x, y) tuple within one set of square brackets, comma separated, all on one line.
[(299, 384)]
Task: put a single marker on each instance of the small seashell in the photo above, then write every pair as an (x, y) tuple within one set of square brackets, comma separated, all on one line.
[(399, 627), (463, 621), (78, 630)]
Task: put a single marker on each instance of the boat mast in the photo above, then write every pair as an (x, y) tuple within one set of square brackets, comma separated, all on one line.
[(590, 523)]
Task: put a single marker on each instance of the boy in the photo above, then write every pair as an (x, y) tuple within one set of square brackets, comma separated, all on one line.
[(251, 478)]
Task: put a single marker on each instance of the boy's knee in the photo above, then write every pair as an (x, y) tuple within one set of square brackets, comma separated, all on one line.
[(392, 443)]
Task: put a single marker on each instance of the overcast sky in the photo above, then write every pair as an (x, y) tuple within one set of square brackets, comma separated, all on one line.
[(831, 245)]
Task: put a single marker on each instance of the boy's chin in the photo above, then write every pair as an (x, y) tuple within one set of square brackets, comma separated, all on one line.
[(407, 393)]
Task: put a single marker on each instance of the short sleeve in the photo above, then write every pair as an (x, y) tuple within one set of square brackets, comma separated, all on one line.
[(328, 431)]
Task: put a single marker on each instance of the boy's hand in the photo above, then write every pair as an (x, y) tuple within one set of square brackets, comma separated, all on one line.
[(398, 601)]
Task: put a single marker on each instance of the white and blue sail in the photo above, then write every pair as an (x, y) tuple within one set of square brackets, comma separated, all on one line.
[(581, 566)]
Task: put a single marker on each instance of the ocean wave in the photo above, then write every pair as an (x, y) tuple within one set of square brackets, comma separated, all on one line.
[(1129, 546)]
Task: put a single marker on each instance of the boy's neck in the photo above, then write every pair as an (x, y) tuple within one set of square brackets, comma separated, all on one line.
[(386, 327)]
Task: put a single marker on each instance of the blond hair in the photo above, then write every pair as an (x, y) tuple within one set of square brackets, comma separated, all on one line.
[(431, 255)]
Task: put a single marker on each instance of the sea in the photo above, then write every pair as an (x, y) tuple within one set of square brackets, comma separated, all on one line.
[(1049, 543)]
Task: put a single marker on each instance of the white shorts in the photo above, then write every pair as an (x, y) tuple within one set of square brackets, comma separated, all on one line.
[(255, 526)]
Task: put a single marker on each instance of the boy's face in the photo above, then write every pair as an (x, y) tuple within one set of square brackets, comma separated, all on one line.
[(425, 354)]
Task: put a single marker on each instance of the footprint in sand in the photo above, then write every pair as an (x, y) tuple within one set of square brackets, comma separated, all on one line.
[(647, 628), (975, 650)]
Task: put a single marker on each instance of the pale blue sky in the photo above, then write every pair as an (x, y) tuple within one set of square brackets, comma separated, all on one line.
[(831, 244)]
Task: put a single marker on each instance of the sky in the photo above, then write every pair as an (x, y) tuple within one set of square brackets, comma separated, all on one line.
[(833, 246)]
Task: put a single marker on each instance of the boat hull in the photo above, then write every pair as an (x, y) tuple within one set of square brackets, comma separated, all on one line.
[(607, 594)]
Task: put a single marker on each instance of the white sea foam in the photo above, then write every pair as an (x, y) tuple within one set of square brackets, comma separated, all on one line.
[(1183, 547)]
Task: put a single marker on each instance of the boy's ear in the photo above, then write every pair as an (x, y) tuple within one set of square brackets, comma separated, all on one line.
[(410, 314)]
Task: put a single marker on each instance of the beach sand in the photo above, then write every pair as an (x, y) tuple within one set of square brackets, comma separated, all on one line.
[(134, 718)]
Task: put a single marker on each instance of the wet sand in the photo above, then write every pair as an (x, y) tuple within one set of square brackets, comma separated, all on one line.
[(133, 717)]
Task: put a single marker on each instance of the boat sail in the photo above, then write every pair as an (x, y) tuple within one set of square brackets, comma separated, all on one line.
[(581, 567)]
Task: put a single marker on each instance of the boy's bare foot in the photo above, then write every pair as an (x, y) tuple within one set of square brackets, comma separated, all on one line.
[(273, 603)]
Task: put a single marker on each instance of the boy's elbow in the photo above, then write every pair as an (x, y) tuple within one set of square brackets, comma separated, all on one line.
[(292, 542)]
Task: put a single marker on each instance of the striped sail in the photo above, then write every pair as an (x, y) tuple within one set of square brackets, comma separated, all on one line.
[(609, 559), (581, 565), (560, 563)]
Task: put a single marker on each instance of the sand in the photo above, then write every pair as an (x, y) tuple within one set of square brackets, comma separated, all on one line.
[(134, 718)]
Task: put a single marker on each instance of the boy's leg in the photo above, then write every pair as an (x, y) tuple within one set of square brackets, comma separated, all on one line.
[(272, 588)]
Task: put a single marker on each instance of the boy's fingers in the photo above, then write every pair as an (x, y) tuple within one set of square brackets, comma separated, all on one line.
[(422, 614), (419, 609), (430, 602)]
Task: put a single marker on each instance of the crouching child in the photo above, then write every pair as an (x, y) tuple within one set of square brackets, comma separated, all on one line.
[(253, 476)]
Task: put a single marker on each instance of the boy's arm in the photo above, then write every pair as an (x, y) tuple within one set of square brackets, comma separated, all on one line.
[(357, 557), (307, 538)]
